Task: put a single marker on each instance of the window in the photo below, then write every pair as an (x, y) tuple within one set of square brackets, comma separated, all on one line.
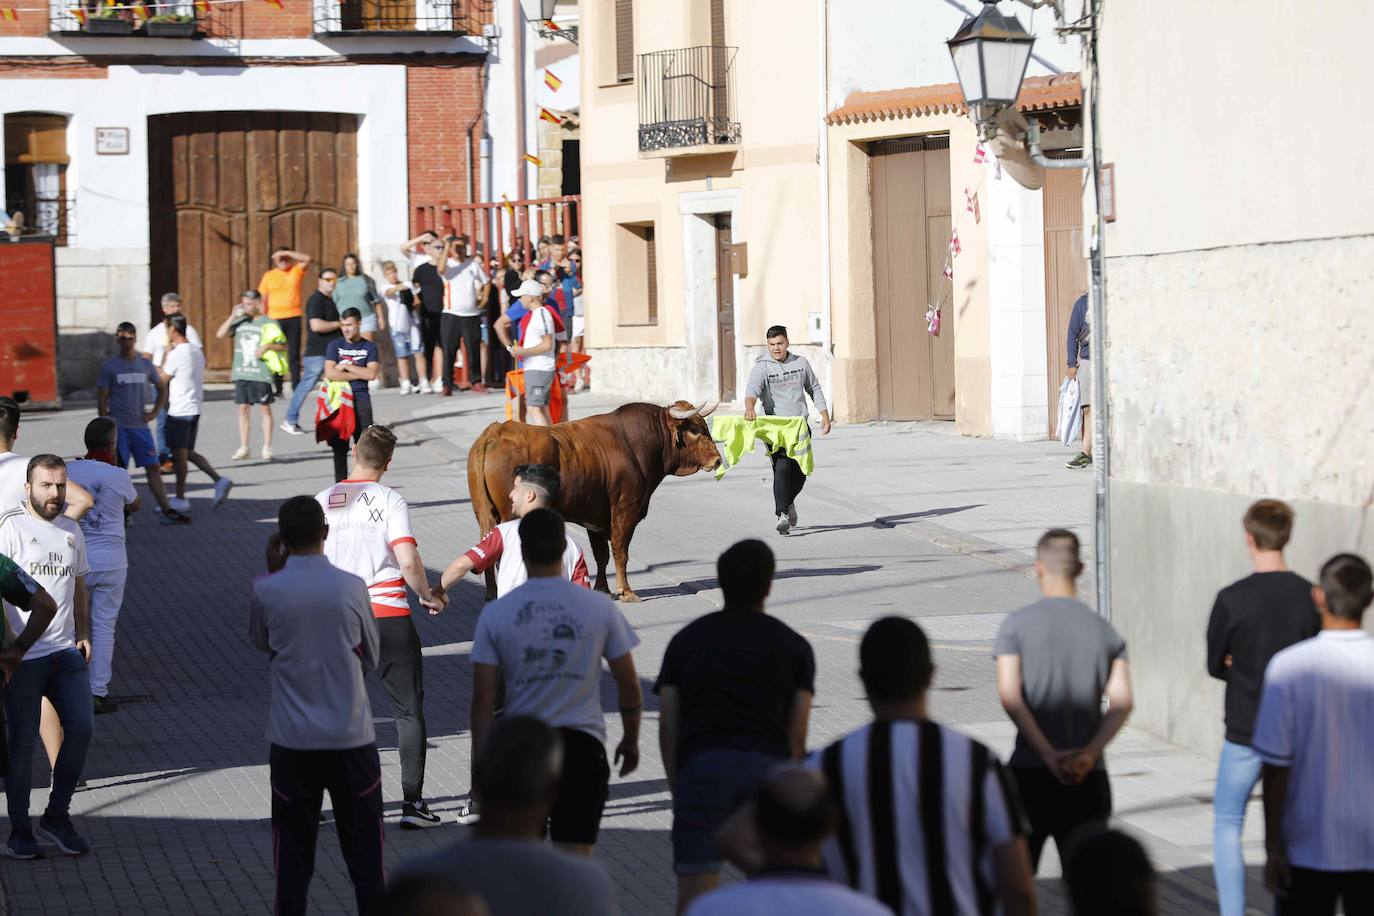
[(624, 41), (636, 274), (36, 172)]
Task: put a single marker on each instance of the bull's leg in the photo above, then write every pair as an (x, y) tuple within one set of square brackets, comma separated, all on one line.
[(620, 547), (601, 552)]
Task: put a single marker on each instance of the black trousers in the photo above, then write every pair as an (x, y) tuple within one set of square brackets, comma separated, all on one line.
[(1314, 893), (788, 481), (353, 779), (401, 668), (1056, 810), (467, 330), (291, 327), (429, 332), (362, 407), (498, 360)]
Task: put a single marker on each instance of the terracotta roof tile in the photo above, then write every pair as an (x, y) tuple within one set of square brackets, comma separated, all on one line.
[(1038, 93)]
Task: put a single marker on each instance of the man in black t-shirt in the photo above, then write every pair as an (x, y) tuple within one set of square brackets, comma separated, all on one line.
[(429, 284), (1252, 621), (734, 698), (321, 326)]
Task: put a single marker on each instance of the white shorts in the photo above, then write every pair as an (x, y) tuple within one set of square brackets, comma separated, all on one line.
[(579, 325)]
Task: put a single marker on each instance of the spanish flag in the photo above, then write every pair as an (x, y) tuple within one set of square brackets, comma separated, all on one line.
[(81, 15), (202, 6), (551, 25), (510, 208), (278, 4), (10, 14), (533, 160), (544, 113), (141, 10), (552, 81)]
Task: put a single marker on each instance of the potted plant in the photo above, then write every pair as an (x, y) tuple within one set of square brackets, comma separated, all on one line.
[(171, 25), (109, 21)]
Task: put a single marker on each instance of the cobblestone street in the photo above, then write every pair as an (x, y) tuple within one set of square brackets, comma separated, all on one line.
[(897, 519)]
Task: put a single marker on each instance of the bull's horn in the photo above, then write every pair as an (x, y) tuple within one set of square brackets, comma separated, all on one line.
[(680, 413), (707, 411)]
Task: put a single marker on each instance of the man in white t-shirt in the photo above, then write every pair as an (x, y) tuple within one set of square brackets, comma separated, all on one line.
[(52, 550), (184, 372), (14, 468), (155, 347), (535, 487), (546, 639), (370, 536), (106, 553), (465, 282)]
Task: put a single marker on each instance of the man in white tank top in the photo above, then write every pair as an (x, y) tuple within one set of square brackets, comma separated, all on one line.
[(370, 536), (536, 487)]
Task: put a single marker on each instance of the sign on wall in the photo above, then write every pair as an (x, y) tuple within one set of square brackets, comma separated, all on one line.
[(112, 141)]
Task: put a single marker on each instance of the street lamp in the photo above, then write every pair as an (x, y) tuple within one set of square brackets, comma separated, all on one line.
[(990, 53)]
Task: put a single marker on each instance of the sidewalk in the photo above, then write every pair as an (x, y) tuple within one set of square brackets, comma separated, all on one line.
[(896, 519)]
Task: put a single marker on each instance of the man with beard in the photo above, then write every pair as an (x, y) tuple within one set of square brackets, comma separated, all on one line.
[(52, 550)]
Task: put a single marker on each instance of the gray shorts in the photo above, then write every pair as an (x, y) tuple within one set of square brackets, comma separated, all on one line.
[(537, 387), (1086, 394)]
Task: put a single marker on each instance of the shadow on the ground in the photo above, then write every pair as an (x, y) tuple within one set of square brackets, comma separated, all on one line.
[(883, 522)]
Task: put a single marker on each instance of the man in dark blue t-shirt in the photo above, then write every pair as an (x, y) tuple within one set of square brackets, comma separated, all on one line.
[(351, 359)]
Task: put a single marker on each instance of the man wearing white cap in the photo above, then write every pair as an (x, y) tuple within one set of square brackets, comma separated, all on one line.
[(536, 329)]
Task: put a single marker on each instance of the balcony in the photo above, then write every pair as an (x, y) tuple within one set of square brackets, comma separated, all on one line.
[(176, 19), (687, 101), (390, 17)]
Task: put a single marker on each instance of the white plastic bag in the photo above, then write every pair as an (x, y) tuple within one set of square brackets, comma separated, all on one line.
[(1070, 412)]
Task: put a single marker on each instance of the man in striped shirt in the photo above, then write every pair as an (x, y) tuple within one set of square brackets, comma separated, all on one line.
[(929, 822), (370, 536)]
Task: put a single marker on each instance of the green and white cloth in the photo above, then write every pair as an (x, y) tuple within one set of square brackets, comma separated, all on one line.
[(736, 437)]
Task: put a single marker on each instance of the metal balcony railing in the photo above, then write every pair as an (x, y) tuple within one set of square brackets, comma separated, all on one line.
[(151, 19), (687, 97), (439, 17), (44, 214)]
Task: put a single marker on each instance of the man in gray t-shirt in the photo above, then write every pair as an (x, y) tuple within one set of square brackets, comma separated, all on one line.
[(1056, 659), (505, 862)]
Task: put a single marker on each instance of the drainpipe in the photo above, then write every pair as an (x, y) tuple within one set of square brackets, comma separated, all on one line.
[(518, 63), (1097, 343), (1038, 155), (823, 147)]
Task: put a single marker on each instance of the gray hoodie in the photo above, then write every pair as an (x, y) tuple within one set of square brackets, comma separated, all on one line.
[(783, 386)]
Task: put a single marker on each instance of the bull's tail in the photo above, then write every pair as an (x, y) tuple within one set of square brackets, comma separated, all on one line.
[(483, 503)]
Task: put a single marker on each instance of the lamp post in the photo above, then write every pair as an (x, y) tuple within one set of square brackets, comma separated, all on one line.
[(990, 53)]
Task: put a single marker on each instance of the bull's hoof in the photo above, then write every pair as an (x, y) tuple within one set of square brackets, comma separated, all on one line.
[(628, 597)]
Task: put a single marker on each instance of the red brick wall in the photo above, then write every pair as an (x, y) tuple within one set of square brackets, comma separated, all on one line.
[(263, 20), (442, 102), (28, 356)]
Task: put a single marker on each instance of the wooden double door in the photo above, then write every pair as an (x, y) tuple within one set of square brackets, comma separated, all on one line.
[(228, 188), (909, 186), (1066, 273)]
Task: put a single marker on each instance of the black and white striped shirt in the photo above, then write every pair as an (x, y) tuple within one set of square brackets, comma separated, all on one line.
[(922, 808)]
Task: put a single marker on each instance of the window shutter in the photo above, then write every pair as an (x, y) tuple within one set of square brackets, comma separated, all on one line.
[(624, 40), (651, 265)]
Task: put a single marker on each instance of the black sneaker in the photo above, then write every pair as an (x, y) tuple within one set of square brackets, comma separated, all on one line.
[(470, 813), (417, 816), (62, 833), (104, 705), (22, 845), (792, 515), (173, 517)]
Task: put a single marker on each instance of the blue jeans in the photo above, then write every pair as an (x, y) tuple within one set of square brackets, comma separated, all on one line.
[(710, 786), (312, 367), (1238, 771), (160, 437), (61, 677)]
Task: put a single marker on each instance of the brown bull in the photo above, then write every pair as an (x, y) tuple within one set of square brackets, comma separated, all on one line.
[(609, 466)]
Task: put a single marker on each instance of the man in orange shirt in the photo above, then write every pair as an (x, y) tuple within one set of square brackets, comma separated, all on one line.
[(281, 297)]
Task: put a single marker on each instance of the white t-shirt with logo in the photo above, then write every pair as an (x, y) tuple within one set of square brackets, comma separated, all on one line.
[(501, 546), (155, 341), (398, 317), (462, 281), (53, 554), (14, 473), (548, 637), (539, 325), (366, 523), (103, 526), (186, 389)]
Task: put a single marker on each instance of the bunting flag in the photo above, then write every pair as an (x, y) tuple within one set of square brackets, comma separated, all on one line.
[(933, 320), (980, 155), (954, 246), (949, 271), (551, 25), (9, 14), (533, 160), (544, 113), (202, 6), (971, 201), (509, 207), (81, 16), (278, 4), (552, 81), (141, 11)]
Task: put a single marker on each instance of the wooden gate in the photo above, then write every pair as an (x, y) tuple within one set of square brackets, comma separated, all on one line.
[(725, 306), (1066, 272), (227, 188), (909, 184)]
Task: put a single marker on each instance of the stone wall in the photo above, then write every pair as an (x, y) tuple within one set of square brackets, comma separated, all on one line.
[(97, 288)]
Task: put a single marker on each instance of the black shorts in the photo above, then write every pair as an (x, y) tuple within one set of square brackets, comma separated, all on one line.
[(583, 788), (181, 432), (246, 392)]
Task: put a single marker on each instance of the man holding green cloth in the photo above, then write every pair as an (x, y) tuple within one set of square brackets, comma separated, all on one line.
[(259, 343), (782, 381)]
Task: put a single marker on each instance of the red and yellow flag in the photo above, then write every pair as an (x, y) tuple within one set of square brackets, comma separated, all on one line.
[(533, 160), (552, 81), (81, 15), (278, 4), (140, 10), (202, 6), (9, 14), (551, 25), (544, 114), (510, 208)]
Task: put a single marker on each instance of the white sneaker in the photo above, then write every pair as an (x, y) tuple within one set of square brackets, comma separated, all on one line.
[(469, 814), (405, 386), (266, 453), (784, 526), (222, 488), (792, 516), (374, 384), (423, 387), (293, 429), (241, 454), (181, 505)]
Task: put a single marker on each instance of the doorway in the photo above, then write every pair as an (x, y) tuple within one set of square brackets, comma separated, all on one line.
[(725, 307), (909, 185), (1066, 273)]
